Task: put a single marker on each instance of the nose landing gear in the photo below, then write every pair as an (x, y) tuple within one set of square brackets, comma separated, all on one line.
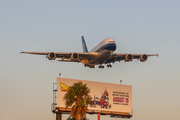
[(86, 65)]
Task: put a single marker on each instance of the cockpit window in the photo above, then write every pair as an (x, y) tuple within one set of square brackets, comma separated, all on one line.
[(111, 41)]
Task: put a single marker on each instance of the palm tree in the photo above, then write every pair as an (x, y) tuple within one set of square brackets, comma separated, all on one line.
[(78, 97)]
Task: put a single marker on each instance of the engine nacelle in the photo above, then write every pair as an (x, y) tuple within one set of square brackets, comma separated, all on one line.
[(143, 57), (51, 56), (128, 57), (74, 56)]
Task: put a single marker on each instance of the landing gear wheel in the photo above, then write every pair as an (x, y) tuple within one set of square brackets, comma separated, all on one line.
[(109, 65), (91, 66), (101, 66)]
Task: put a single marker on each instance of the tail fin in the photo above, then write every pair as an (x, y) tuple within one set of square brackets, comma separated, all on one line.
[(84, 45)]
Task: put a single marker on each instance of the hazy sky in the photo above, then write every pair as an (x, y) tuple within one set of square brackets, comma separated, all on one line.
[(137, 26)]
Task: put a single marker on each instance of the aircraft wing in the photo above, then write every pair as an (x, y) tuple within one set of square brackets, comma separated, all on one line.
[(51, 54), (37, 53), (64, 56), (129, 57)]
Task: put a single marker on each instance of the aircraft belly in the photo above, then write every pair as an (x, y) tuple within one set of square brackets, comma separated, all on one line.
[(101, 58)]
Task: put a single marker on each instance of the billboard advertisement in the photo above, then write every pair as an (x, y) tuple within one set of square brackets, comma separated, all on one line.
[(106, 96)]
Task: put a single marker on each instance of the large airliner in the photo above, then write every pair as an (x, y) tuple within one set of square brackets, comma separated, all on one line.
[(99, 55)]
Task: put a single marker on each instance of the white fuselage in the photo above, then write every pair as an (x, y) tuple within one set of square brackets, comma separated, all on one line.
[(103, 51)]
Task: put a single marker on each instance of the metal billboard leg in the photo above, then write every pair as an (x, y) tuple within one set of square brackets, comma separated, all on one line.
[(58, 116), (98, 116)]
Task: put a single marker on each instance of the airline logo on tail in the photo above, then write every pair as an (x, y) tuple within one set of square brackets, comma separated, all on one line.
[(84, 45)]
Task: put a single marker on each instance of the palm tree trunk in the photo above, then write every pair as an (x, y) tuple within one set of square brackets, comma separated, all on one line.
[(78, 116), (79, 113)]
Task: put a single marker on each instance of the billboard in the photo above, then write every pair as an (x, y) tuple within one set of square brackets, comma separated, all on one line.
[(107, 97)]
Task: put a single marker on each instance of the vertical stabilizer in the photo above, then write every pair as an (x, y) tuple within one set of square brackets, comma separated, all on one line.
[(84, 45)]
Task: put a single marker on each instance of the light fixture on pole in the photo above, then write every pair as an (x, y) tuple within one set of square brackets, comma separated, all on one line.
[(59, 74), (120, 81)]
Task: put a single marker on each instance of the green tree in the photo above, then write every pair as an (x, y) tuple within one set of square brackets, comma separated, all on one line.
[(78, 98)]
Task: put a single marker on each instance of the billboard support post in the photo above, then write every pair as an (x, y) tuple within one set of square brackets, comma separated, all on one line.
[(98, 116), (58, 116)]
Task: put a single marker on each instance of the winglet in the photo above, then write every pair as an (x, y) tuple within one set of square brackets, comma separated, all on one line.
[(84, 45)]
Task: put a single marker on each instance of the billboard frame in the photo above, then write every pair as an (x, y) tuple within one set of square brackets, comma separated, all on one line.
[(63, 110)]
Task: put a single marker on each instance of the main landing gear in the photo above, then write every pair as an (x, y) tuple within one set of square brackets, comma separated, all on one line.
[(90, 66), (101, 66), (109, 65)]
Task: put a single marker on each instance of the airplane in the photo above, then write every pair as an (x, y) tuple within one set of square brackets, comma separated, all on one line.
[(99, 55)]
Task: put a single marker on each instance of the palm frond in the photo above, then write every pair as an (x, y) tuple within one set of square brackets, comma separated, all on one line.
[(78, 96)]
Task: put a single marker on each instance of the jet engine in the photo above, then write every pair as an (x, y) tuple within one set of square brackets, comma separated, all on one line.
[(128, 57), (74, 56), (51, 56), (143, 58)]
